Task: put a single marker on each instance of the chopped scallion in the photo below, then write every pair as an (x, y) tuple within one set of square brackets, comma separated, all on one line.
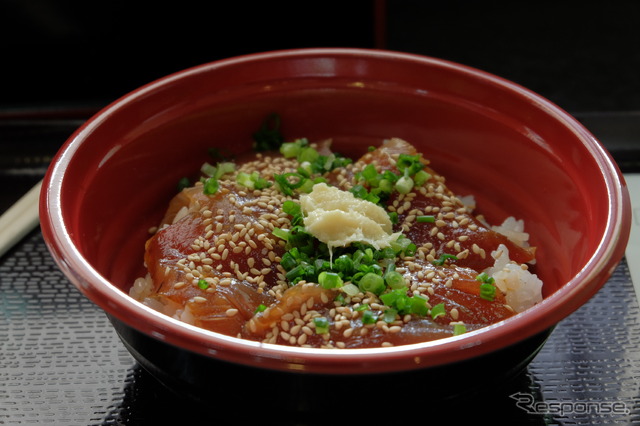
[(419, 305), (210, 186), (307, 154), (437, 310), (394, 279), (224, 168), (329, 280), (426, 219), (281, 233), (289, 182), (350, 289), (443, 258), (372, 282), (459, 329), (485, 278), (322, 325), (487, 291), (208, 169), (421, 177), (393, 217), (404, 185), (390, 315), (409, 164), (290, 149), (368, 317)]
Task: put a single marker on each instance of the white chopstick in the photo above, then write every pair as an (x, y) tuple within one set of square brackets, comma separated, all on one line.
[(19, 219)]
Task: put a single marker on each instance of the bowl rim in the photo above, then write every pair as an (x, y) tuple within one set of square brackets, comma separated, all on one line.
[(537, 319)]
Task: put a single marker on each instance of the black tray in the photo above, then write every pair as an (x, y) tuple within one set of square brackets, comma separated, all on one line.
[(61, 362)]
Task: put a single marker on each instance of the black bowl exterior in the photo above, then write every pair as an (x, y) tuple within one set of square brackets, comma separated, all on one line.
[(206, 379)]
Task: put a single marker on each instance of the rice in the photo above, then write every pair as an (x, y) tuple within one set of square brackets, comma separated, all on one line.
[(522, 288), (142, 290), (514, 230)]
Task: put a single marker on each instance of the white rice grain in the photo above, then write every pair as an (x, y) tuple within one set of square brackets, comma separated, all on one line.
[(522, 288)]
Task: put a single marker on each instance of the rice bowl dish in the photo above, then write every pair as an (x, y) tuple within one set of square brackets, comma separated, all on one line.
[(301, 246), (524, 171)]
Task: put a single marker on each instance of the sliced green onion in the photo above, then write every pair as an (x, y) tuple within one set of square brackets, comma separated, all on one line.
[(244, 179), (224, 168), (398, 300), (288, 262), (459, 329), (305, 169), (307, 154), (322, 325), (485, 278), (362, 307), (410, 250), (252, 181), (369, 173), (344, 265), (394, 279), (359, 191), (368, 317), (487, 291), (409, 164), (350, 289), (208, 169), (291, 208), (372, 282), (404, 185), (426, 219), (419, 305), (393, 217), (210, 186), (290, 149), (385, 186), (281, 233), (260, 308), (329, 280), (387, 254), (203, 284), (390, 315), (307, 186), (403, 246), (421, 177), (443, 258), (286, 184), (437, 310)]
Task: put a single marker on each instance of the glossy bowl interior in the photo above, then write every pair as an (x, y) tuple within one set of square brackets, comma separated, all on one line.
[(517, 153)]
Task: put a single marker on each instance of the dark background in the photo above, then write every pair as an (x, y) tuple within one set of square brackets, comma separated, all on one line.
[(584, 56)]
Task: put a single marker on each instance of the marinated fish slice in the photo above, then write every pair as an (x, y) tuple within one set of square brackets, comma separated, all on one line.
[(295, 302), (452, 228), (454, 287), (215, 255)]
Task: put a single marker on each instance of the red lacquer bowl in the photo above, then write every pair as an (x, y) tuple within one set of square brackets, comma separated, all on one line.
[(519, 155)]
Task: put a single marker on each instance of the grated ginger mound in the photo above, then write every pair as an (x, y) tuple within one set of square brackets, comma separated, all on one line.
[(338, 218)]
